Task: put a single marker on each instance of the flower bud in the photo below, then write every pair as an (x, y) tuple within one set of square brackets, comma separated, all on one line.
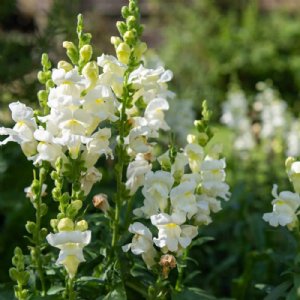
[(72, 51), (73, 208), (122, 27), (203, 138), (129, 37), (123, 53), (64, 65), (139, 50), (167, 262), (131, 21), (30, 227), (82, 225), (191, 139), (115, 40), (91, 72), (54, 223), (100, 201), (65, 224), (86, 53)]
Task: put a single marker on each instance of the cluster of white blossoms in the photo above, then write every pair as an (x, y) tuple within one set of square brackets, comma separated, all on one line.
[(272, 111), (268, 120), (286, 204), (81, 105), (178, 199), (235, 114)]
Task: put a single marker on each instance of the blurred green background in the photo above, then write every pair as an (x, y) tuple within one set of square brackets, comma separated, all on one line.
[(208, 45)]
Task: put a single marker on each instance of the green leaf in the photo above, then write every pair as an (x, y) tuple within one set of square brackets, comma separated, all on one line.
[(118, 294), (192, 294), (54, 290), (279, 291)]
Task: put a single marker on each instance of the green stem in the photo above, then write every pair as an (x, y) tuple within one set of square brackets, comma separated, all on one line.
[(71, 292), (181, 268), (120, 165), (128, 212), (38, 255)]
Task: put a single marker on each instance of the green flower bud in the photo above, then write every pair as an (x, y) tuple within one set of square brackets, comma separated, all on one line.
[(30, 227), (65, 224), (41, 77), (43, 233), (64, 65), (129, 37), (131, 22), (139, 50), (45, 61), (50, 84), (23, 277), (122, 27), (73, 208), (13, 274), (44, 209), (86, 53), (125, 12), (43, 96), (72, 51), (54, 223), (123, 53), (81, 225), (203, 138), (115, 40)]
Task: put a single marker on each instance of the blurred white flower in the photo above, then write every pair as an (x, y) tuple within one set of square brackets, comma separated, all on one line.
[(142, 243)]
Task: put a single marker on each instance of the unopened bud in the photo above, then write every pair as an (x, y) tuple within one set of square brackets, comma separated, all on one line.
[(65, 224), (30, 227), (168, 262), (64, 65), (86, 53), (131, 21), (81, 225), (191, 139), (123, 53), (129, 36), (100, 201), (115, 40), (54, 223), (91, 72), (139, 50)]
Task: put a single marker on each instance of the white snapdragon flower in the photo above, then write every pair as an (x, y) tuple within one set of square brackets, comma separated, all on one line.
[(101, 103), (183, 199), (47, 149), (195, 155), (285, 206), (137, 139), (172, 236), (113, 72), (22, 132), (136, 173), (157, 187), (142, 243), (71, 244), (89, 178), (154, 114), (212, 169)]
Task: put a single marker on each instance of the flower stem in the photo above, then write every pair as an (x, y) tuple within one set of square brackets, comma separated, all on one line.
[(181, 268), (37, 235)]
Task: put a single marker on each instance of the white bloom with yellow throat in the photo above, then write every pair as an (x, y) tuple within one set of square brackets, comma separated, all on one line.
[(172, 235), (141, 243), (284, 212), (71, 244)]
